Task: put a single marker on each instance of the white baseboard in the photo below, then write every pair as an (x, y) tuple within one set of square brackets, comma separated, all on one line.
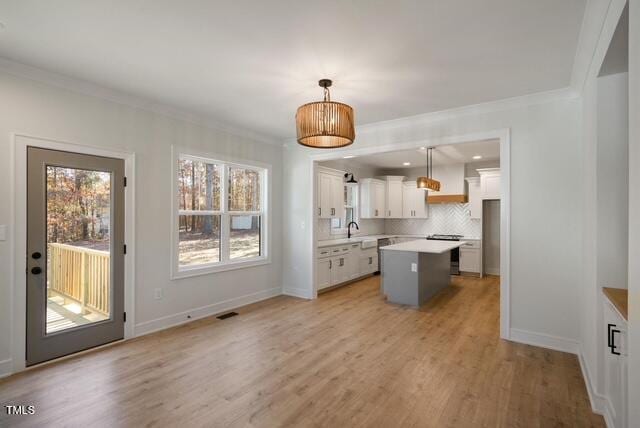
[(599, 403), (491, 271), (6, 367), (203, 311), (302, 293), (542, 340)]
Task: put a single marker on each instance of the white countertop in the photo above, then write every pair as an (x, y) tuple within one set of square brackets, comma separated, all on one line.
[(360, 238), (425, 246)]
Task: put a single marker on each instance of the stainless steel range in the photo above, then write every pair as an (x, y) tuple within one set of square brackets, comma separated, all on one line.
[(455, 253)]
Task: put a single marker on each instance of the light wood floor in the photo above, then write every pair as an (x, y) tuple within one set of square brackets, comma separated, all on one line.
[(346, 359)]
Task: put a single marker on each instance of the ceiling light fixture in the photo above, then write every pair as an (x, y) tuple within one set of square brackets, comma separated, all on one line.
[(476, 157), (427, 182), (348, 157), (406, 163), (325, 124)]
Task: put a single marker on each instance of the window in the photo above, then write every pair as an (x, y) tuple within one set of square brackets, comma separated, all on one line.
[(220, 217), (350, 198)]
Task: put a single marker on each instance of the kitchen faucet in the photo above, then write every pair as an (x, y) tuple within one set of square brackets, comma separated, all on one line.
[(349, 229)]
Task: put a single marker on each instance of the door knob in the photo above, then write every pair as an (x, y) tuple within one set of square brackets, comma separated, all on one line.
[(36, 255), (36, 270)]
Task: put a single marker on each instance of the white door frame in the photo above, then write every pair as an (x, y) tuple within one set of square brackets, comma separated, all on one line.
[(19, 220), (504, 135)]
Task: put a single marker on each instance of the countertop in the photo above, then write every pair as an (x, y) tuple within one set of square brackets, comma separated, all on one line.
[(360, 238), (424, 246), (619, 298)]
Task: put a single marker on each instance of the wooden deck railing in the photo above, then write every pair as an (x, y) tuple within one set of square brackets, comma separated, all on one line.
[(81, 274)]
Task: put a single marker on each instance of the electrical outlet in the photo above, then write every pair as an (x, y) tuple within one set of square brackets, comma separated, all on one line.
[(157, 293), (414, 267)]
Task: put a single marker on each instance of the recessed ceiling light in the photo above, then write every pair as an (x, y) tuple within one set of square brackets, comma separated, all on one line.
[(348, 157), (477, 157), (406, 163), (422, 148)]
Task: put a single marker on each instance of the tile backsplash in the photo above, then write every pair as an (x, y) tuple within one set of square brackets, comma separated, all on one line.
[(367, 227), (443, 218)]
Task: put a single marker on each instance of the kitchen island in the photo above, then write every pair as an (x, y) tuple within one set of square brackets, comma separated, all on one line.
[(414, 271)]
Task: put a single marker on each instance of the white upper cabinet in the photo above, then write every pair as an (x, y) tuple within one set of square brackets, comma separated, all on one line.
[(489, 183), (330, 194), (414, 204), (372, 198), (475, 197), (393, 190)]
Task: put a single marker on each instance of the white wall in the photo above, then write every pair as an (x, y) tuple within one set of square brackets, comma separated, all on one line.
[(546, 165), (46, 111), (613, 180)]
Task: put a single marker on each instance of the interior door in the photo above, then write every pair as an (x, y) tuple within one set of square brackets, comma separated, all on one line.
[(75, 252)]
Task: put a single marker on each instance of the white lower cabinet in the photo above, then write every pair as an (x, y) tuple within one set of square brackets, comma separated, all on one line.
[(323, 273), (470, 257), (615, 365), (368, 262), (340, 264)]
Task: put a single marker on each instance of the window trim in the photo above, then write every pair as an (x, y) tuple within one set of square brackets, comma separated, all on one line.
[(265, 171), (356, 214)]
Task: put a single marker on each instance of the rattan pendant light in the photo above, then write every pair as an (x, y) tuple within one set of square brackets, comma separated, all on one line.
[(427, 182), (325, 124)]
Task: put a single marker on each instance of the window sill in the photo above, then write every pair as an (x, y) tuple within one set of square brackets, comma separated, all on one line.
[(206, 270)]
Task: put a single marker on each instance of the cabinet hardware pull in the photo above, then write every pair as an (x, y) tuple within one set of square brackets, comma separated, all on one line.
[(389, 213), (320, 211), (370, 260), (609, 334), (613, 341)]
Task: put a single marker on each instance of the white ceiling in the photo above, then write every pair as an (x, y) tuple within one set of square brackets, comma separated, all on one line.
[(250, 63), (442, 155)]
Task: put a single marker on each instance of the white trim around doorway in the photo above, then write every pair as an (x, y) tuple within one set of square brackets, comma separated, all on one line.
[(504, 135), (18, 235)]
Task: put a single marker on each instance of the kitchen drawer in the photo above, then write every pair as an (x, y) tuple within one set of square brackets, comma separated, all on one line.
[(324, 252), (471, 244)]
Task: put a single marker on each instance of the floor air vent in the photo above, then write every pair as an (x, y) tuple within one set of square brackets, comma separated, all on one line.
[(227, 315)]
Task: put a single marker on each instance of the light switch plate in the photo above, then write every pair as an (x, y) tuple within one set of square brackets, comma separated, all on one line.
[(414, 267), (3, 232)]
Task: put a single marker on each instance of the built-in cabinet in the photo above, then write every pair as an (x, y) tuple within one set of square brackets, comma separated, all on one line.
[(470, 257), (372, 198), (489, 183), (475, 197), (615, 365), (330, 194), (393, 196), (414, 201), (343, 263)]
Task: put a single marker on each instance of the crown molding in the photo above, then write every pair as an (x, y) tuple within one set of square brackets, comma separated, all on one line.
[(91, 89), (598, 25), (473, 109)]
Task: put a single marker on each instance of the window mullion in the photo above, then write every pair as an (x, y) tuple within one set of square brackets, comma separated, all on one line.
[(225, 222)]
